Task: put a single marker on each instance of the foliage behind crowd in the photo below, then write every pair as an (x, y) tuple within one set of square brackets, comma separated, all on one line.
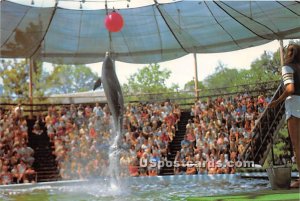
[(149, 81)]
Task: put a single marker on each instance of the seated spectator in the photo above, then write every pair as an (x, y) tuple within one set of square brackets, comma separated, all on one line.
[(27, 157), (133, 168), (190, 136), (145, 145), (36, 129), (124, 163), (241, 146), (18, 111), (233, 159), (147, 130), (191, 166), (170, 133), (6, 177), (211, 165), (201, 169), (190, 124), (185, 142), (177, 113), (222, 166), (22, 172), (154, 162)]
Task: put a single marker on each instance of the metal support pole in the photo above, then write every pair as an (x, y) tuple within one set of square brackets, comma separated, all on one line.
[(281, 52), (272, 152), (196, 76), (31, 61), (109, 33)]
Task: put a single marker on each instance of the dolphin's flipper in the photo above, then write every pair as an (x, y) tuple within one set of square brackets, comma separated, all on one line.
[(97, 84)]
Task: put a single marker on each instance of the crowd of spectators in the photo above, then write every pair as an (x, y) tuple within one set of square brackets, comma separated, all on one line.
[(218, 133), (82, 136), (16, 158)]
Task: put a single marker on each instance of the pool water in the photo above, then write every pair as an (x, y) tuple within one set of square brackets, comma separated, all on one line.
[(133, 189)]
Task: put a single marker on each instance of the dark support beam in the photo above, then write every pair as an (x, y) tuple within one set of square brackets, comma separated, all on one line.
[(196, 76), (31, 64)]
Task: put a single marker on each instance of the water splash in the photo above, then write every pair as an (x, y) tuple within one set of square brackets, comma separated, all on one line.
[(114, 164)]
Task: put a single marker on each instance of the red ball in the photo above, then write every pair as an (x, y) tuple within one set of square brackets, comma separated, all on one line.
[(114, 22)]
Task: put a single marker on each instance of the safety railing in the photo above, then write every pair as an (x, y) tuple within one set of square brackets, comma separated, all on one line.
[(264, 132), (184, 98)]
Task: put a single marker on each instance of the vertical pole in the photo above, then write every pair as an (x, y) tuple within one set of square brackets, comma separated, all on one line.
[(109, 33), (196, 76), (272, 152), (31, 61), (281, 52)]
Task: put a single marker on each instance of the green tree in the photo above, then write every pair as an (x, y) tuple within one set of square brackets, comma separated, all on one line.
[(266, 68), (149, 80), (15, 77), (190, 86), (63, 79), (70, 79), (222, 77), (282, 147)]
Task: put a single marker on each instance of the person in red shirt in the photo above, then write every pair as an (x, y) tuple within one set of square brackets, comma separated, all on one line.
[(170, 119), (133, 168)]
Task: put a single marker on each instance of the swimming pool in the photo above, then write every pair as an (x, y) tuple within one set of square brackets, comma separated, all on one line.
[(133, 189)]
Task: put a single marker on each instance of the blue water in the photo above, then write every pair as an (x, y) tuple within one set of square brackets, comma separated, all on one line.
[(134, 189)]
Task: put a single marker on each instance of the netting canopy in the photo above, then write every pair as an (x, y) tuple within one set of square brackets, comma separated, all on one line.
[(151, 33)]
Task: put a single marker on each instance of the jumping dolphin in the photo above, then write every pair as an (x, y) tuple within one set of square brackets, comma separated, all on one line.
[(113, 93)]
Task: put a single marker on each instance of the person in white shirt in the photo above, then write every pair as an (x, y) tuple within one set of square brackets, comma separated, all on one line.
[(291, 96)]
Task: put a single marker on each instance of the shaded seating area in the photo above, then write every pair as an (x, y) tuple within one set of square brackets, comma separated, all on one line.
[(16, 156), (78, 139), (218, 132), (71, 141)]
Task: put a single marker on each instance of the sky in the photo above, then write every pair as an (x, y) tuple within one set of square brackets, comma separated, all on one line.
[(182, 69)]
